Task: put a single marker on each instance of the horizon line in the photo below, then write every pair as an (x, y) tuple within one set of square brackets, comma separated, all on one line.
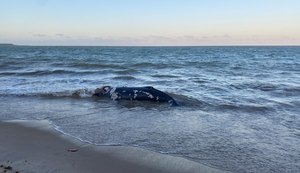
[(233, 45)]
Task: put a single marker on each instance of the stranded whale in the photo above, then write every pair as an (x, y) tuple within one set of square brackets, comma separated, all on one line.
[(135, 93)]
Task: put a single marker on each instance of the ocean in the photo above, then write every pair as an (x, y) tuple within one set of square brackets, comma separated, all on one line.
[(239, 106)]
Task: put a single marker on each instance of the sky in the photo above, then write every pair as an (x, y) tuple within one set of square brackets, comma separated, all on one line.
[(150, 22)]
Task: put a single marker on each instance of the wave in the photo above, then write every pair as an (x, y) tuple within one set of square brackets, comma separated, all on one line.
[(244, 107), (3, 66), (93, 65), (61, 71), (256, 86), (291, 91), (78, 93), (124, 78), (45, 72), (275, 89), (191, 102), (153, 65), (183, 101), (126, 71), (209, 64), (164, 76), (143, 64)]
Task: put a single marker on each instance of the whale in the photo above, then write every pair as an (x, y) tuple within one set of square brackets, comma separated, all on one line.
[(147, 93)]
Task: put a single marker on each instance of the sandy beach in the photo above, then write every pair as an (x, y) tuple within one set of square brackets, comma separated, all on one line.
[(35, 146)]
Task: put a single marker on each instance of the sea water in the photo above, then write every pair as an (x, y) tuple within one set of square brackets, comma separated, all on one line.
[(239, 106)]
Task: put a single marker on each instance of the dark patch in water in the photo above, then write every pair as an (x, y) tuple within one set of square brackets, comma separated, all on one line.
[(189, 102), (244, 108), (153, 65), (124, 78), (255, 86), (47, 72), (96, 66), (164, 76), (199, 81), (143, 64)]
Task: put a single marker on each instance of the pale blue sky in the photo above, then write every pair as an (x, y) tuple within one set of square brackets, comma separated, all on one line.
[(150, 22)]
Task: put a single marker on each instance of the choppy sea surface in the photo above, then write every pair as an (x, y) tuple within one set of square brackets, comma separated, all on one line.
[(239, 106)]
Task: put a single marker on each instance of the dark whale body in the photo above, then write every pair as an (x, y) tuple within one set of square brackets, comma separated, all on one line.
[(138, 93)]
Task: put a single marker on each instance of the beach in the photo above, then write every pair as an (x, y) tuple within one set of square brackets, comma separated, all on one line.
[(34, 146)]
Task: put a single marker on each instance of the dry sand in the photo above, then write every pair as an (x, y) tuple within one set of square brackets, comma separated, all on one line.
[(34, 146)]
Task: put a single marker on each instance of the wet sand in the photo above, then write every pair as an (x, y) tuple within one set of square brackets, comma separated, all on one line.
[(35, 146)]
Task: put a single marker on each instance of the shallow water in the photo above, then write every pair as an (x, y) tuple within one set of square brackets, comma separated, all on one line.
[(239, 105)]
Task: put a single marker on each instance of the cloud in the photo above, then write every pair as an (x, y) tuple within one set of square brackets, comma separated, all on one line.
[(218, 36), (144, 39), (62, 35), (157, 37), (164, 40), (39, 35)]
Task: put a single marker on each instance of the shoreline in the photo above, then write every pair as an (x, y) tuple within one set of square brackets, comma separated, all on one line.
[(35, 146)]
